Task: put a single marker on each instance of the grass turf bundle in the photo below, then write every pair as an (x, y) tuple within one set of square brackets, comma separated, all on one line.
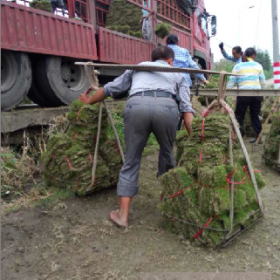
[(272, 145), (197, 198), (124, 17), (69, 157), (162, 30), (41, 5)]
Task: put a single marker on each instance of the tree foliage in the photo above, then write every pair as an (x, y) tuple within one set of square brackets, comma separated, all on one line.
[(263, 58)]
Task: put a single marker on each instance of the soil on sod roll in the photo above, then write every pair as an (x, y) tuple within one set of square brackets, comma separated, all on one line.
[(69, 157), (272, 145), (197, 192), (124, 17)]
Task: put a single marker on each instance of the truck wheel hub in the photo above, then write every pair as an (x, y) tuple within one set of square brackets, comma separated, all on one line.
[(72, 75)]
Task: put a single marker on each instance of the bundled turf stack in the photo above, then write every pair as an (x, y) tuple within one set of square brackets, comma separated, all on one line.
[(162, 30), (69, 157), (272, 145), (41, 5), (197, 193), (124, 17)]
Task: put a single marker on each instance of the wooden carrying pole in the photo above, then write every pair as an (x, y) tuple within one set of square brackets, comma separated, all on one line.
[(95, 87), (246, 155), (96, 149), (231, 214)]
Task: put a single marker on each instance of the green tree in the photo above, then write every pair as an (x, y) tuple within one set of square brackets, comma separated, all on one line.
[(264, 59)]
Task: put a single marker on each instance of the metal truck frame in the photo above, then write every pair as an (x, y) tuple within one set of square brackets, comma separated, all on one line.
[(39, 49)]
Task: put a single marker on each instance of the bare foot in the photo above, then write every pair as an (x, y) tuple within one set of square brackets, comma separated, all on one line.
[(117, 219)]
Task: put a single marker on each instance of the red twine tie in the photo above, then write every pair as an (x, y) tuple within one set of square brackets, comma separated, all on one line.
[(69, 163), (180, 192), (202, 229), (229, 177), (90, 157), (200, 156), (202, 129)]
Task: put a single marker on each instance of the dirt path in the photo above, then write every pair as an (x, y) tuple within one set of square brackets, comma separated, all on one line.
[(74, 240)]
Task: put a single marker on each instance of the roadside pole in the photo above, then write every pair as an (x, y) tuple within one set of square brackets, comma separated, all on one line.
[(276, 50)]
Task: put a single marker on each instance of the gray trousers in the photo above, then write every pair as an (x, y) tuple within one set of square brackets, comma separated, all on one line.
[(147, 29), (143, 116)]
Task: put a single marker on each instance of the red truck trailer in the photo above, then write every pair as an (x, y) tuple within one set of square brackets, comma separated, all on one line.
[(39, 49)]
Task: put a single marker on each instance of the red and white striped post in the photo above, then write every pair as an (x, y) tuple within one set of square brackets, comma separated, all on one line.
[(276, 73), (275, 38)]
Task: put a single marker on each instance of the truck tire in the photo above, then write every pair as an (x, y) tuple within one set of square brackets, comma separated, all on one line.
[(37, 97), (16, 77), (60, 80)]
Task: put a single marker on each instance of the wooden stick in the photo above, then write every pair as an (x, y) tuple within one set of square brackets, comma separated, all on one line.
[(266, 121), (231, 214), (222, 86), (244, 150), (96, 149), (94, 85), (279, 156), (114, 130)]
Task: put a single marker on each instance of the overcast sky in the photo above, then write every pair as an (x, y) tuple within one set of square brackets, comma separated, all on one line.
[(238, 24)]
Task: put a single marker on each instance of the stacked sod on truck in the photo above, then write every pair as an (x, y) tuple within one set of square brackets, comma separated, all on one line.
[(272, 145), (69, 157), (124, 17), (197, 192), (162, 30)]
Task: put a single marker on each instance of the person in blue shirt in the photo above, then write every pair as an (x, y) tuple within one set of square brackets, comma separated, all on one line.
[(237, 53), (183, 59)]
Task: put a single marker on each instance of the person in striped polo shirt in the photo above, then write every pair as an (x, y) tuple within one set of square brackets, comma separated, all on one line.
[(252, 78)]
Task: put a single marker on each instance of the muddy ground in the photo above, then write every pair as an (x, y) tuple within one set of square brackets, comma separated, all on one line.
[(73, 239)]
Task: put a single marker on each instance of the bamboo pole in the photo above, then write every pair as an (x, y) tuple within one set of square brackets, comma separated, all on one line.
[(222, 86), (231, 214), (96, 148), (279, 156), (94, 85), (114, 130)]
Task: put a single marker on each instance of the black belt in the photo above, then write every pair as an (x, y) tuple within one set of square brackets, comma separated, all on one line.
[(154, 93)]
